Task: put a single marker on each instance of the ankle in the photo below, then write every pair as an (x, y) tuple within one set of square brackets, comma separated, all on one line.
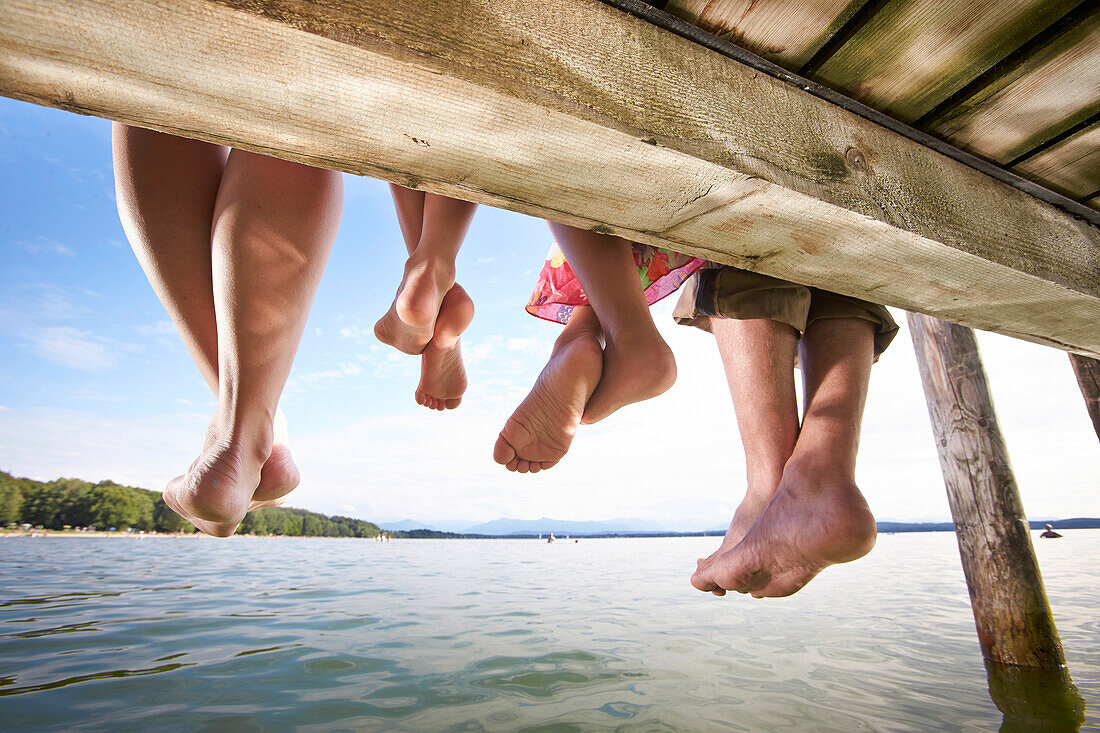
[(441, 267), (811, 476), (634, 333), (247, 439)]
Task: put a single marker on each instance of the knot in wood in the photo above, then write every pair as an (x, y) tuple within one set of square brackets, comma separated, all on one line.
[(856, 159)]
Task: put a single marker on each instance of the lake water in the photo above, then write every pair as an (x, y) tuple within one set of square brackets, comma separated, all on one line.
[(424, 635)]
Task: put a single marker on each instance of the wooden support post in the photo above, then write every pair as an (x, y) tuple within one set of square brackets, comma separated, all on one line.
[(1006, 590), (1088, 376)]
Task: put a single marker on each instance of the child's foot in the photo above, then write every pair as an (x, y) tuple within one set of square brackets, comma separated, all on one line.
[(539, 432), (635, 368), (410, 321), (217, 490), (442, 373), (807, 526)]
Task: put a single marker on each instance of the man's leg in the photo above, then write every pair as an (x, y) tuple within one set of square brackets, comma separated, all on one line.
[(758, 356), (817, 516)]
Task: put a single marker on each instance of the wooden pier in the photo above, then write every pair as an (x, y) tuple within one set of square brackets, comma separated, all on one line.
[(941, 156)]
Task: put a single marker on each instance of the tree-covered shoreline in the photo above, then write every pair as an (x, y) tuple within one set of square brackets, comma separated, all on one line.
[(70, 503)]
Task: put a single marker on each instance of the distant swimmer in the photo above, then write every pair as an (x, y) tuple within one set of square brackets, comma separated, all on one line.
[(551, 538), (1050, 533)]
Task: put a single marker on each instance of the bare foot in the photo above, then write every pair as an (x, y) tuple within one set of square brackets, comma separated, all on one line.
[(746, 514), (410, 321), (279, 475), (807, 526), (442, 373), (634, 369), (539, 432), (220, 485)]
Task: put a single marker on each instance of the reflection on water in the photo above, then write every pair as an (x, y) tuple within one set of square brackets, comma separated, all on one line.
[(1035, 699), (273, 634)]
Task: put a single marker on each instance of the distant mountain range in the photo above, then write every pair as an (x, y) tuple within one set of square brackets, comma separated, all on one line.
[(546, 525)]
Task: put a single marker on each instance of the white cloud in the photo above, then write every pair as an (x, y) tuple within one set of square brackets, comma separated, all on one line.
[(44, 245), (73, 348), (357, 333)]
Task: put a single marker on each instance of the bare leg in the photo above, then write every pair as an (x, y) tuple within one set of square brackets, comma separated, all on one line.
[(429, 272), (758, 356), (637, 363), (539, 432), (442, 373), (167, 187), (274, 224), (817, 516)]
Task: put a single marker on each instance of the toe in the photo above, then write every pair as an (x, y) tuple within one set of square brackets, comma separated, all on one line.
[(504, 453), (453, 403)]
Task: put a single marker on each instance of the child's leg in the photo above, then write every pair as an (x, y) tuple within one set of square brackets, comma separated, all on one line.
[(429, 274), (166, 188), (817, 517), (274, 224), (758, 356), (442, 373), (637, 363), (539, 432)]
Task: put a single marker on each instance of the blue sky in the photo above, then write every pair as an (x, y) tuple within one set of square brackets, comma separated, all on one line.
[(95, 383)]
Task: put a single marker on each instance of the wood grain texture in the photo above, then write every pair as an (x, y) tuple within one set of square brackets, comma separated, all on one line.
[(1088, 378), (1050, 92), (1010, 606), (783, 32), (1071, 167), (573, 111), (913, 54)]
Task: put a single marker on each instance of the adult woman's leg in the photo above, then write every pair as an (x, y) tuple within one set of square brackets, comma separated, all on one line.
[(166, 187), (274, 225)]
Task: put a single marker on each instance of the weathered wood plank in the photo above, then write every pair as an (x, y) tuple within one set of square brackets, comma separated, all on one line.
[(913, 54), (1010, 606), (780, 31), (571, 110), (1072, 167), (1088, 378), (1052, 91)]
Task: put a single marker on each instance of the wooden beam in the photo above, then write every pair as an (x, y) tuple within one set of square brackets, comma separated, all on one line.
[(1088, 378), (1010, 606), (574, 111)]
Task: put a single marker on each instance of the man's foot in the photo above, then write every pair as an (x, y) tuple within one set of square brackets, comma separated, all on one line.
[(746, 514), (410, 321), (634, 369), (539, 432), (807, 526), (442, 373)]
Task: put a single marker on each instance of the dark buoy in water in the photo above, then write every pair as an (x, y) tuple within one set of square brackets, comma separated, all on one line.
[(1050, 533)]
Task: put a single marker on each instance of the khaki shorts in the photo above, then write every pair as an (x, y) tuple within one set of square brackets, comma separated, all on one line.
[(726, 292)]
